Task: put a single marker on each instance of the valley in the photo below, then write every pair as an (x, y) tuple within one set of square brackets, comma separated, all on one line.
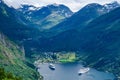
[(30, 36)]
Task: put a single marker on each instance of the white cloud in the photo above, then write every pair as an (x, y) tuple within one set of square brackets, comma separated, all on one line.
[(74, 5)]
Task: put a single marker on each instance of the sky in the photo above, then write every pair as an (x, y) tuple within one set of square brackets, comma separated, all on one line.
[(74, 5)]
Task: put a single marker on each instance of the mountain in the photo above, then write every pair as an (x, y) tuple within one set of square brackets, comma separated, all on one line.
[(111, 6), (100, 33), (11, 27), (99, 40), (85, 15), (104, 40), (8, 76), (12, 57), (45, 17), (71, 40)]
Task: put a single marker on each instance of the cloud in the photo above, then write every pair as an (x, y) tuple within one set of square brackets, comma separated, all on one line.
[(74, 5)]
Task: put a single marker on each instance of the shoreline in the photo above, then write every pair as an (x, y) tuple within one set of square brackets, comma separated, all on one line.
[(82, 66), (82, 63)]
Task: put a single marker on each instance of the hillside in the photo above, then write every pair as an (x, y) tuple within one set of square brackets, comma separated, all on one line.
[(12, 59), (7, 76), (104, 40), (11, 27)]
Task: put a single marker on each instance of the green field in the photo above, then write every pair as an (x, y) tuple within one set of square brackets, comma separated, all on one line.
[(68, 57)]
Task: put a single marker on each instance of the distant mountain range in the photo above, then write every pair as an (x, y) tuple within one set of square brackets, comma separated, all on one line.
[(45, 17), (85, 15)]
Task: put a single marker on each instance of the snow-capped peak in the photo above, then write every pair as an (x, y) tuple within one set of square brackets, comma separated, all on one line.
[(112, 5), (56, 4), (26, 8)]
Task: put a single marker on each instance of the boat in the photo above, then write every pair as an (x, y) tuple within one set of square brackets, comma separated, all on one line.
[(52, 66), (83, 70)]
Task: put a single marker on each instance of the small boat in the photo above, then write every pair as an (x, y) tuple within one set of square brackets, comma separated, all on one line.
[(83, 70), (51, 66)]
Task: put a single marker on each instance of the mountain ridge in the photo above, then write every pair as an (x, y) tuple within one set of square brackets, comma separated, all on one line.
[(46, 16), (85, 15)]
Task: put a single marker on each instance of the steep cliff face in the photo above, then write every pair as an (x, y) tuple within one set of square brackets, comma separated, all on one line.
[(13, 60)]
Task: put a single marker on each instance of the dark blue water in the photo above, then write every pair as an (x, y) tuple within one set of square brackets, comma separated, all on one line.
[(69, 71)]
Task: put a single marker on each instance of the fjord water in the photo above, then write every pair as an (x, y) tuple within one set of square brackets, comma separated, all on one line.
[(69, 71)]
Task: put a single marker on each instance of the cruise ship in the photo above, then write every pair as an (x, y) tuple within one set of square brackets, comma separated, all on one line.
[(51, 66), (83, 70)]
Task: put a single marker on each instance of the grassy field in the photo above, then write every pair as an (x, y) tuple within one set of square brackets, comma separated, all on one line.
[(60, 57), (68, 57)]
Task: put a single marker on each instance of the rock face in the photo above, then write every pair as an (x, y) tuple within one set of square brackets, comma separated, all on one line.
[(12, 60)]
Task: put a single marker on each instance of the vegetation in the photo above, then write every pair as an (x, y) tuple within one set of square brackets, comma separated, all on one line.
[(65, 58), (58, 57), (12, 59), (7, 76)]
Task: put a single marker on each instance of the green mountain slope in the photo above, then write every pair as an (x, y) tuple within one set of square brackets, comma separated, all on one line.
[(12, 59), (7, 76), (104, 40)]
